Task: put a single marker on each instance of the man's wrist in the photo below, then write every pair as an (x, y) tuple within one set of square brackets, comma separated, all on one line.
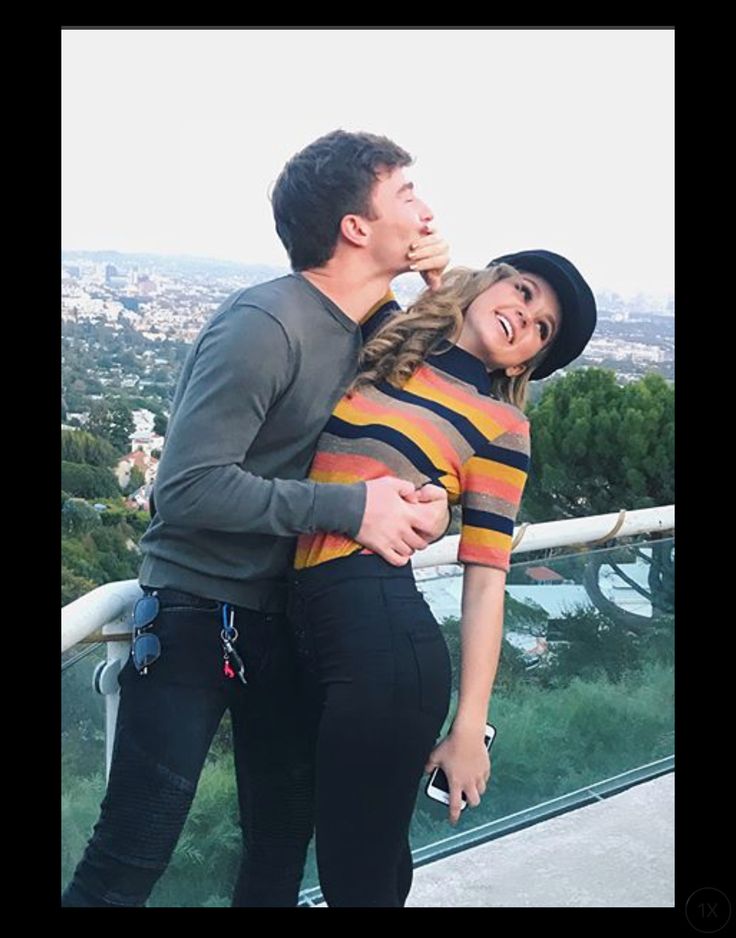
[(339, 507)]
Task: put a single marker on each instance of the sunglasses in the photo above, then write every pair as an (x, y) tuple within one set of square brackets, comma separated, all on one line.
[(146, 645)]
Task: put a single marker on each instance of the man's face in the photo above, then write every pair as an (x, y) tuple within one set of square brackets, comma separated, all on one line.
[(400, 218)]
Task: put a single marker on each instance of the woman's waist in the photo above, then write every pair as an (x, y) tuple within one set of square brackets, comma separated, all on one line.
[(358, 564), (321, 546)]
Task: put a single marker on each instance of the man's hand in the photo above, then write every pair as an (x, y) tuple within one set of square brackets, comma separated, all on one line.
[(429, 254), (396, 522), (438, 511)]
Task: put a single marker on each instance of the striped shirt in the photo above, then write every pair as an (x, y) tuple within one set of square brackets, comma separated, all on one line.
[(442, 427)]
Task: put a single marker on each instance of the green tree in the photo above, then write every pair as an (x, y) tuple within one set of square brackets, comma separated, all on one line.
[(659, 591), (160, 425), (82, 447), (102, 555), (137, 479), (73, 586), (118, 512), (113, 422), (78, 517), (71, 447), (598, 447), (82, 481)]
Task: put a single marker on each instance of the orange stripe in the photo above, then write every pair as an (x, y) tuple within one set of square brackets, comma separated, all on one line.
[(317, 548), (485, 413), (359, 468), (495, 478), (489, 558), (493, 487)]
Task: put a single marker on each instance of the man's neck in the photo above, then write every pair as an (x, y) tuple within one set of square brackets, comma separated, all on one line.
[(354, 291)]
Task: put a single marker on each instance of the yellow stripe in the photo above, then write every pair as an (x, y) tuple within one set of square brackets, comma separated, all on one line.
[(317, 553), (346, 478), (452, 484), (491, 469), (376, 306), (478, 416), (484, 537)]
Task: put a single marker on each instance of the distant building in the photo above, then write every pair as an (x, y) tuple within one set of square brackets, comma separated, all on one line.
[(144, 462), (146, 440), (140, 499), (146, 286), (543, 575)]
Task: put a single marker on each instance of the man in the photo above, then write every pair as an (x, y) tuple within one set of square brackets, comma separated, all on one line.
[(231, 494)]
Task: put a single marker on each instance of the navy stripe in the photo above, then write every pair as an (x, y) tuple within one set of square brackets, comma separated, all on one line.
[(465, 427), (456, 361), (381, 316), (393, 438), (477, 440), (508, 457), (487, 519)]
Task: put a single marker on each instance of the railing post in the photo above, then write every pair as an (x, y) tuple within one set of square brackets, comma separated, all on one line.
[(105, 682)]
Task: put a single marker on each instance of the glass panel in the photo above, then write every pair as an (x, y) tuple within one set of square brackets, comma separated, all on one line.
[(584, 692), (204, 866), (82, 753), (585, 686)]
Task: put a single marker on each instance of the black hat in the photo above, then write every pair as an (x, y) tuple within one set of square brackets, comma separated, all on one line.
[(576, 300)]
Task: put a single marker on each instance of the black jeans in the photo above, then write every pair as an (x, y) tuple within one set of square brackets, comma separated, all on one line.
[(166, 722), (377, 671)]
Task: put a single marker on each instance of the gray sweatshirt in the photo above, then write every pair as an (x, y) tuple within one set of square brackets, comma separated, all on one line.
[(257, 388)]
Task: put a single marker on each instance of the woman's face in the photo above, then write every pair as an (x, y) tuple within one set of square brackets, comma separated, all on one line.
[(507, 324)]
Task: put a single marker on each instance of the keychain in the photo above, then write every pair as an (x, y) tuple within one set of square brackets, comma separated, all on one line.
[(228, 636)]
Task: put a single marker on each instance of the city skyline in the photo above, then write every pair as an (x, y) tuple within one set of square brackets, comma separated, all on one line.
[(408, 284)]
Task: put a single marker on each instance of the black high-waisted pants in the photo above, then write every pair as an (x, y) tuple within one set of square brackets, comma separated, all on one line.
[(377, 672)]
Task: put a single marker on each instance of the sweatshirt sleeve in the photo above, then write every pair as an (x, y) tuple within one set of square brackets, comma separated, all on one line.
[(241, 365)]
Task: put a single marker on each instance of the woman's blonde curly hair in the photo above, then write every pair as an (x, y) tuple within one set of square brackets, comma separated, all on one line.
[(432, 324)]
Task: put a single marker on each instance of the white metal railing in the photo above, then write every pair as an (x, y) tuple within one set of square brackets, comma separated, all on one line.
[(106, 609), (568, 533), (104, 613)]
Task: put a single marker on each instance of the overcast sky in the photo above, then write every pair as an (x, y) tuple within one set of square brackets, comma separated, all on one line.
[(560, 139)]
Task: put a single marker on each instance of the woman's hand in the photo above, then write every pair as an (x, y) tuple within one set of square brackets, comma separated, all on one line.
[(438, 515), (465, 761), (430, 254)]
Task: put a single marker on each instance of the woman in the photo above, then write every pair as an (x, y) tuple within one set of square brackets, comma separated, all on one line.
[(439, 400)]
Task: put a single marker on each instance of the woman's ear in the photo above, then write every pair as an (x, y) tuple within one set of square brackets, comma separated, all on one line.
[(513, 371)]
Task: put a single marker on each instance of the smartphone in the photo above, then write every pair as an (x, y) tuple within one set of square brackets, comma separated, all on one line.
[(438, 787)]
